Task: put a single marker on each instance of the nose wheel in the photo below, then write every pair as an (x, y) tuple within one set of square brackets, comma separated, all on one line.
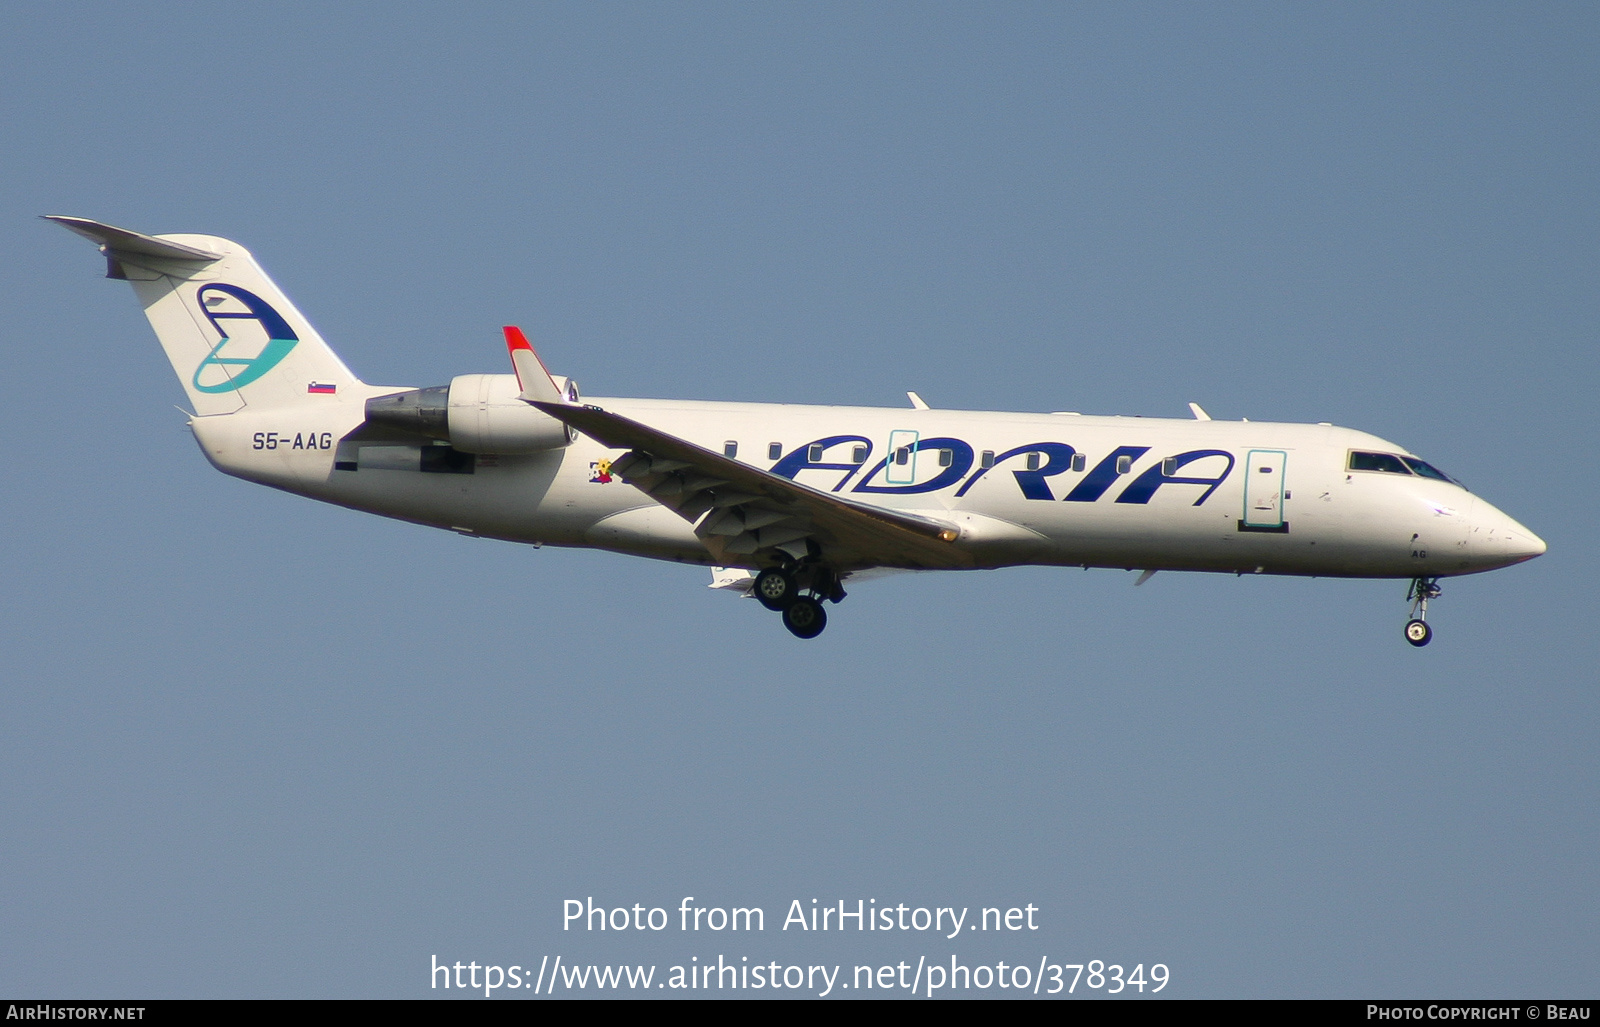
[(1422, 589)]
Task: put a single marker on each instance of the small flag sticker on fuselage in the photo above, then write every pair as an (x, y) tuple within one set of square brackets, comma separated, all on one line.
[(322, 388)]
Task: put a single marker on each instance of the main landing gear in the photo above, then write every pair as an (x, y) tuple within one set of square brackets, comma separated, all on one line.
[(1422, 589), (796, 591)]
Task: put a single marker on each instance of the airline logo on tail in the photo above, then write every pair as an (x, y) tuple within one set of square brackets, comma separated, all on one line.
[(255, 338)]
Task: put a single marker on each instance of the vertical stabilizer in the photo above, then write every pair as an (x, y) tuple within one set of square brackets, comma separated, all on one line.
[(232, 336)]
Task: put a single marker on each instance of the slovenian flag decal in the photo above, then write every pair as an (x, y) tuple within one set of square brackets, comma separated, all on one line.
[(322, 387)]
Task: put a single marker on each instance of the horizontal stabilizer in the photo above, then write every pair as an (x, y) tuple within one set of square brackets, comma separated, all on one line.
[(124, 241)]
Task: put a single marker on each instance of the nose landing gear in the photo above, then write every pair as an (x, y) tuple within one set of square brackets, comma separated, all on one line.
[(1422, 589)]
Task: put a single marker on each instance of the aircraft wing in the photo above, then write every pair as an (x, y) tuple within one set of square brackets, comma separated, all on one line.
[(739, 510)]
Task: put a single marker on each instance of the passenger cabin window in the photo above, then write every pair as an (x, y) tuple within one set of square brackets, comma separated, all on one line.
[(1033, 461), (730, 449), (774, 450), (1079, 462), (814, 454), (1169, 466), (1377, 462), (946, 457), (986, 459), (1124, 464), (858, 455), (902, 456)]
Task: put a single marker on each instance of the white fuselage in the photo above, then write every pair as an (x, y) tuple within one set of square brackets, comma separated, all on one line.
[(1129, 492)]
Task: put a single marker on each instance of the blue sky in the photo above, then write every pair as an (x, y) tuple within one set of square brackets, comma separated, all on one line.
[(255, 746)]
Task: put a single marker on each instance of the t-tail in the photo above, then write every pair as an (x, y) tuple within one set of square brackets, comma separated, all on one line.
[(233, 337)]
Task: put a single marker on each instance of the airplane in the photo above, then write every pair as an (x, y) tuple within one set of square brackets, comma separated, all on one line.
[(786, 503)]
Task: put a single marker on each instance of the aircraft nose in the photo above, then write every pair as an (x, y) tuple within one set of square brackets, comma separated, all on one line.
[(1507, 541), (1522, 544)]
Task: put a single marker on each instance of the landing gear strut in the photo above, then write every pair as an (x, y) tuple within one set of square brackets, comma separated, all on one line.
[(1422, 589), (797, 591)]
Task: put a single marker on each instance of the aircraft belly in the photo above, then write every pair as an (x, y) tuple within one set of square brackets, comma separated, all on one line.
[(532, 498), (528, 499), (648, 530)]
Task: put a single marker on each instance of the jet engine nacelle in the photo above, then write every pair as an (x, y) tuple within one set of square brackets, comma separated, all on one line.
[(476, 413)]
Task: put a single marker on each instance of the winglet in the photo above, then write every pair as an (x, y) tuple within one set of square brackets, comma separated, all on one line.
[(1199, 415), (535, 380), (917, 402)]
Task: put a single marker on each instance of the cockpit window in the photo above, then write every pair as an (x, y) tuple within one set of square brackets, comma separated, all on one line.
[(1427, 470), (1377, 462)]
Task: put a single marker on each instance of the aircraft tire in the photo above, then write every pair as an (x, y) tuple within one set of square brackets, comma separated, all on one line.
[(774, 589), (1418, 633), (805, 617)]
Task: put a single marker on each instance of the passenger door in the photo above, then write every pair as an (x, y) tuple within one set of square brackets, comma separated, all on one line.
[(1263, 490)]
